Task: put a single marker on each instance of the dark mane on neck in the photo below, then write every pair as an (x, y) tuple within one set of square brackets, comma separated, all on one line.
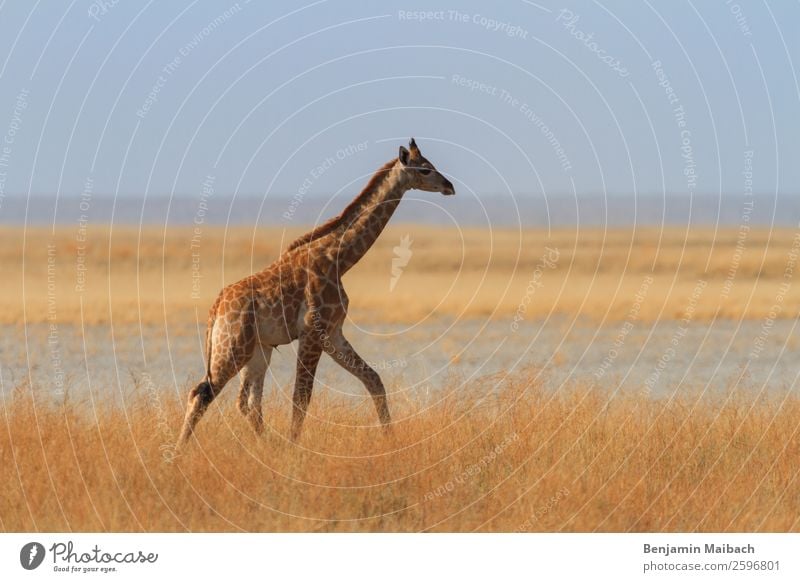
[(348, 214)]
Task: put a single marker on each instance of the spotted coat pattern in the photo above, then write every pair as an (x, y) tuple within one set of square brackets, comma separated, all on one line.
[(300, 297)]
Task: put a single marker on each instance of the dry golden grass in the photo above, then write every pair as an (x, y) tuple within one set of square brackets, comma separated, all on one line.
[(571, 461), (148, 275), (523, 459)]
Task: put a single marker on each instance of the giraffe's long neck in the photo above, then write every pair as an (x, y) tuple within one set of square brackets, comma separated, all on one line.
[(357, 235)]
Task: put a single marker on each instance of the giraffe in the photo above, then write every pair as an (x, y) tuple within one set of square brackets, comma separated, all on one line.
[(300, 297)]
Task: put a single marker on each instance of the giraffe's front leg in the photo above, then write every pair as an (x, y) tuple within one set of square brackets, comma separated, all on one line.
[(343, 354), (308, 353)]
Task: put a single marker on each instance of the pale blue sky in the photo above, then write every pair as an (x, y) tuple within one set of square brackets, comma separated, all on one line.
[(263, 96)]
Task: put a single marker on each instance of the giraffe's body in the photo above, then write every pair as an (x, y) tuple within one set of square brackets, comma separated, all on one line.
[(301, 297)]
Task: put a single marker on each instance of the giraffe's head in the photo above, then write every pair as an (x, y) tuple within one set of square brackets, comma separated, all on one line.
[(422, 175)]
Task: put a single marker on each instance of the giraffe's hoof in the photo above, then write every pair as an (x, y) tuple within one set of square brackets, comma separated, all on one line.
[(256, 420)]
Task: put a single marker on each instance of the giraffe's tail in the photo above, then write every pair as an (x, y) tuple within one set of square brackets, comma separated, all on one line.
[(212, 318), (204, 388)]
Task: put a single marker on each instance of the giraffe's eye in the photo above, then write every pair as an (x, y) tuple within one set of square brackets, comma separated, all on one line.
[(424, 171)]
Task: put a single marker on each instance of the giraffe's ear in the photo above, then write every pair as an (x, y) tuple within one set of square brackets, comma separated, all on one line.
[(403, 156), (412, 145)]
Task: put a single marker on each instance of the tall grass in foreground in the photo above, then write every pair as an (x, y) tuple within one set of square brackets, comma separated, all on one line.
[(523, 460)]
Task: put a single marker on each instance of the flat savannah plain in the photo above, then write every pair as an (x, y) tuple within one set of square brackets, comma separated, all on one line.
[(592, 380)]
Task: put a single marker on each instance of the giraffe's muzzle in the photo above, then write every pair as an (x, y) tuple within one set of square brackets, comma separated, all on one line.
[(448, 189)]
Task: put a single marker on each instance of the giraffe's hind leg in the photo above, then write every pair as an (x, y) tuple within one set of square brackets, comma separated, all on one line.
[(252, 386), (232, 343)]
